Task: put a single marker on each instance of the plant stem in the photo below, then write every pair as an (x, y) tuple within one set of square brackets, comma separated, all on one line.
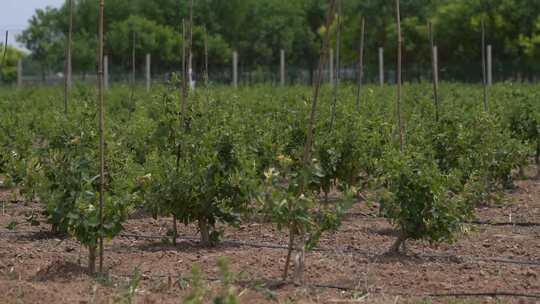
[(204, 230), (92, 259), (306, 160), (175, 230), (289, 251), (537, 158), (398, 243)]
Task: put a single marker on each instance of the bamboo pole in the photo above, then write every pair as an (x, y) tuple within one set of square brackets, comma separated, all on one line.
[(235, 69), (484, 80), (133, 60), (434, 70), (338, 67), (68, 68), (206, 73), (489, 65), (106, 72), (306, 160), (398, 103), (101, 109), (331, 66), (360, 64), (282, 67), (148, 72)]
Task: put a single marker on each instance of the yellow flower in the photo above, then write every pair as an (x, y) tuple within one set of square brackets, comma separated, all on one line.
[(284, 160), (76, 141), (271, 172)]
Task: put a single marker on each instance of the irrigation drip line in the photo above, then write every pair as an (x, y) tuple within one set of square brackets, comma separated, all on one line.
[(337, 251), (490, 223), (349, 251), (474, 222), (487, 294), (278, 284)]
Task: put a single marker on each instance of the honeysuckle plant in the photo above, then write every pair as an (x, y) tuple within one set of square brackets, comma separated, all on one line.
[(301, 212)]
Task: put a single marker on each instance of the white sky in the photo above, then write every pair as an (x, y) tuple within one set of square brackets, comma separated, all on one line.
[(14, 15)]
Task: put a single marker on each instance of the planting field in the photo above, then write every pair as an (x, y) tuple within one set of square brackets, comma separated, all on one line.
[(207, 198)]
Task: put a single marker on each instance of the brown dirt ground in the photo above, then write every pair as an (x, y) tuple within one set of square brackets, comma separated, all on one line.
[(36, 267)]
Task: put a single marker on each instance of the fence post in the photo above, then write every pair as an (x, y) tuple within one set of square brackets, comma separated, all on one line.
[(19, 73), (381, 66), (489, 66), (106, 72), (282, 67), (148, 72), (331, 66), (235, 69)]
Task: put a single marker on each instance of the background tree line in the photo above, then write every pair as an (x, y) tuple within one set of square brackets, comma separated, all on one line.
[(259, 29)]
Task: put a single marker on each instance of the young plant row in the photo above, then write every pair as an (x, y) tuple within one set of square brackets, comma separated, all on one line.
[(236, 153)]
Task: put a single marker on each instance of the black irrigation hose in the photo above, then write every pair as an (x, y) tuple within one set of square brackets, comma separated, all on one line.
[(495, 294), (324, 250), (278, 284), (474, 222), (348, 250), (490, 223)]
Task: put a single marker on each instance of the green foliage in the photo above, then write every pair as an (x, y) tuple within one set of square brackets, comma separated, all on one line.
[(211, 177), (239, 152), (8, 64), (419, 199), (288, 206), (259, 29), (199, 291)]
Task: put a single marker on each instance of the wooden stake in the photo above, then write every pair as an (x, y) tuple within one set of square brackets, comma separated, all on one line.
[(360, 64), (190, 44), (106, 72), (101, 110), (235, 69), (282, 67), (68, 69), (206, 73), (398, 103), (133, 60), (489, 65), (434, 70), (484, 66), (331, 66), (184, 71), (381, 66), (148, 72)]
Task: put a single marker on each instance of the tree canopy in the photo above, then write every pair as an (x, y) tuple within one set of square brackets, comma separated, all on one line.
[(258, 30)]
